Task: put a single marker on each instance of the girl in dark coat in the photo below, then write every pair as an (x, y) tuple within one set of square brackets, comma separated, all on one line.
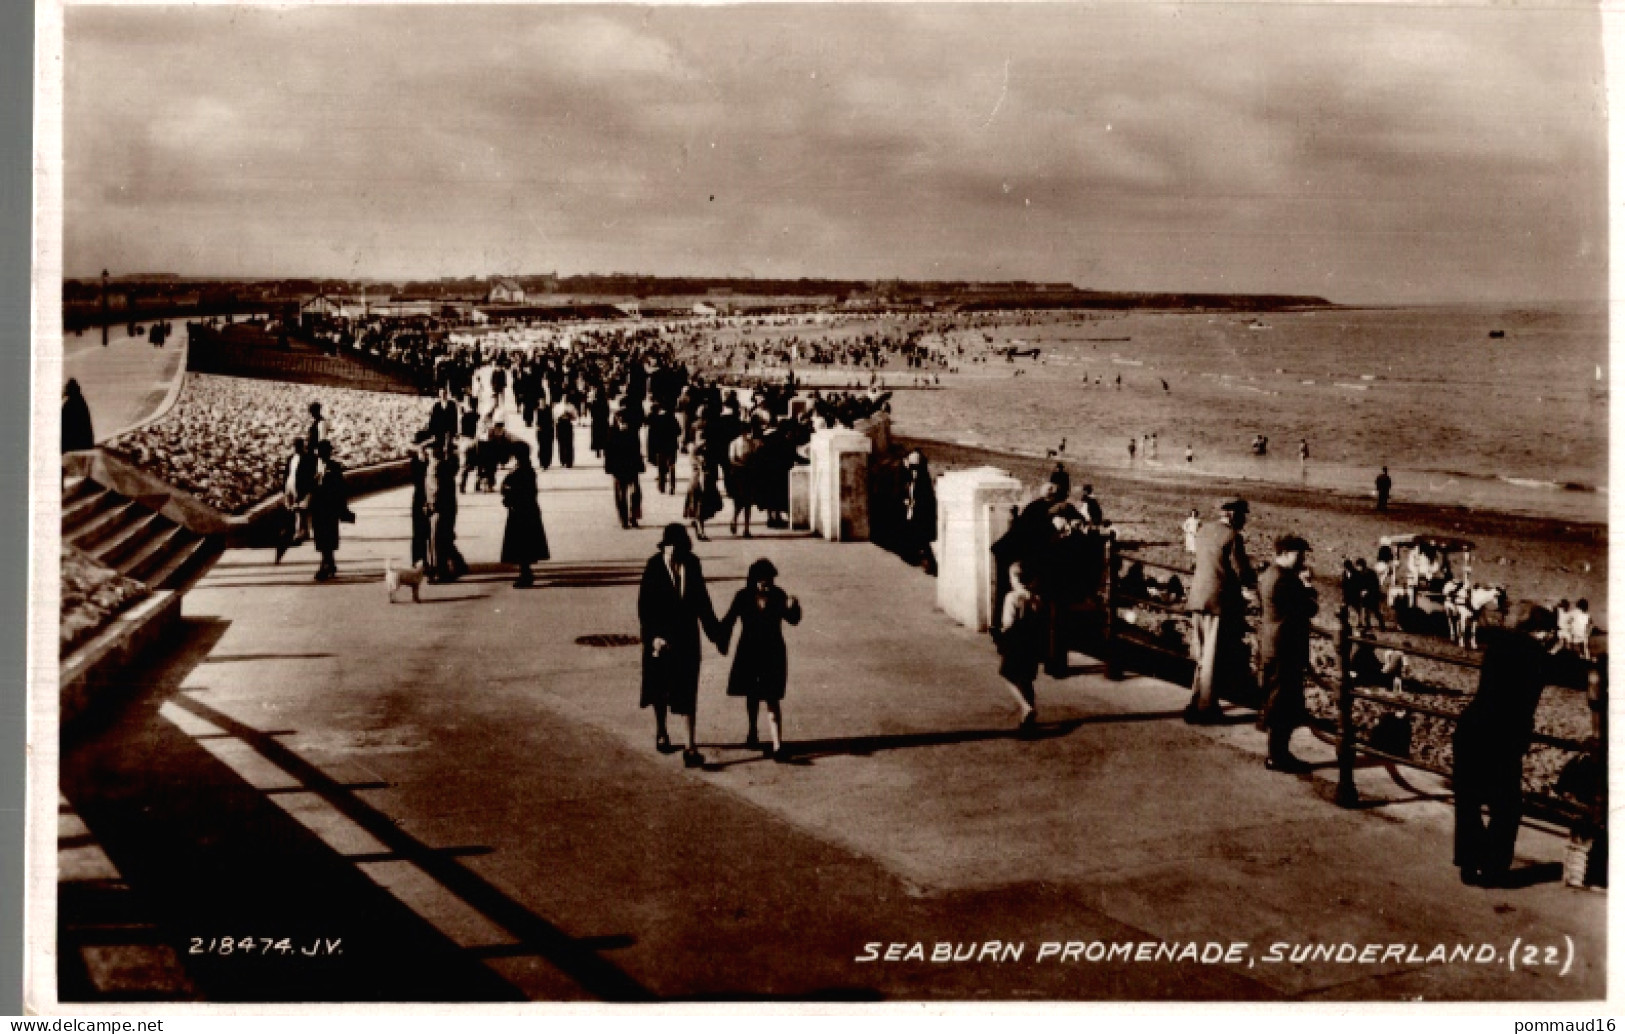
[(564, 428), (524, 539), (329, 505), (760, 668), (76, 432)]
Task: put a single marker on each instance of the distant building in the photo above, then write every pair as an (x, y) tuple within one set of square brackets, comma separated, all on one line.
[(318, 305), (505, 291)]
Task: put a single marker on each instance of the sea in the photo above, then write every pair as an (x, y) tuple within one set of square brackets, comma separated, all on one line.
[(1493, 408)]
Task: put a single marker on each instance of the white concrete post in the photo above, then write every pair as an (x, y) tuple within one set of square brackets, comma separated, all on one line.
[(840, 484), (973, 510)]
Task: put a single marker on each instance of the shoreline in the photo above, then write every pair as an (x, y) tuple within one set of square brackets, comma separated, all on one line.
[(1535, 557)]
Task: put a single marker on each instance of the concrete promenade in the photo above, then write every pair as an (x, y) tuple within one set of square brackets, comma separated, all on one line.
[(465, 795)]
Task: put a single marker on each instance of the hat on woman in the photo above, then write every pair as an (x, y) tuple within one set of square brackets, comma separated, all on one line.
[(675, 535)]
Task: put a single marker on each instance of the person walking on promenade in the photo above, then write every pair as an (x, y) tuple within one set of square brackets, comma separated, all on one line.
[(674, 607), (623, 460), (524, 539), (1061, 480), (1303, 452), (445, 561), (565, 416), (1132, 446), (422, 468), (598, 414), (1192, 525), (469, 426), (318, 430), (1093, 514), (919, 512), (741, 477), (1023, 641), (760, 669), (329, 506), (1218, 610), (1283, 645), (663, 435), (443, 416), (76, 431), (292, 530), (1385, 486), (544, 429), (703, 500), (1493, 735)]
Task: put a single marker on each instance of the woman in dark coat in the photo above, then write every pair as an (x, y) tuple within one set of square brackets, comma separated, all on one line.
[(544, 431), (674, 608), (564, 429), (524, 539), (76, 432), (329, 505), (598, 411), (760, 669), (919, 512)]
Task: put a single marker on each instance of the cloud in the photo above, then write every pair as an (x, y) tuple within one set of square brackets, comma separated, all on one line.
[(1381, 151)]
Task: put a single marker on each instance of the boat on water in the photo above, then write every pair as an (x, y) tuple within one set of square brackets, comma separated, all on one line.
[(1258, 325), (1498, 334)]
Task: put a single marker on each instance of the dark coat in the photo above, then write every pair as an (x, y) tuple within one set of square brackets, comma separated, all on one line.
[(672, 680), (420, 510), (623, 456), (760, 669), (919, 504), (524, 539), (76, 432), (1496, 727), (1288, 604), (663, 435), (544, 441), (329, 505)]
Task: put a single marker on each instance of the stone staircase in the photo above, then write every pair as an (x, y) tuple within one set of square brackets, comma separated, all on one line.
[(133, 538)]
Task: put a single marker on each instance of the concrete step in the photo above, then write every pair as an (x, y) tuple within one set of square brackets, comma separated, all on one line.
[(105, 524), (87, 508), (186, 564), (75, 487), (118, 550), (155, 553)]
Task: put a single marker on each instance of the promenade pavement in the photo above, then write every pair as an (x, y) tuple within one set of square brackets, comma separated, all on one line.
[(465, 796)]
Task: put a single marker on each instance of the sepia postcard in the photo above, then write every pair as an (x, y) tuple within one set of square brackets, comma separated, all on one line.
[(841, 503)]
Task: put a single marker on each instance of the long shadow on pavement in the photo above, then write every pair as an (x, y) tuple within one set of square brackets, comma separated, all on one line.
[(808, 751), (211, 856)]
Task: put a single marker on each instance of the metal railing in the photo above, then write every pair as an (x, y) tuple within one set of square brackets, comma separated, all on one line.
[(1585, 813)]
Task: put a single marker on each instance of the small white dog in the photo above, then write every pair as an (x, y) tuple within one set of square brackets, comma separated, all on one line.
[(394, 581)]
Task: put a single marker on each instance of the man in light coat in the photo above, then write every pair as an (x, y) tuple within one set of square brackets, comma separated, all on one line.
[(1218, 609)]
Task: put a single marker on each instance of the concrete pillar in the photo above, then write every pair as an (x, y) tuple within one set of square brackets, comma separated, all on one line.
[(800, 498), (840, 484), (973, 510)]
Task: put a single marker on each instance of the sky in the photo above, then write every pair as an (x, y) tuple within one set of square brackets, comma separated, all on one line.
[(1365, 153)]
